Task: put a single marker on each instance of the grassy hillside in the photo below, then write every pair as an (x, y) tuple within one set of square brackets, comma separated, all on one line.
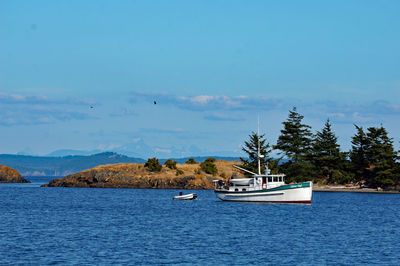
[(133, 175)]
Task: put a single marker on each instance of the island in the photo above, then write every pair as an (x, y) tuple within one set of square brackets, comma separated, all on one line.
[(135, 175), (171, 175), (10, 175)]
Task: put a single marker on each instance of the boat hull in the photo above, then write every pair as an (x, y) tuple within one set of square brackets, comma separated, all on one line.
[(294, 193), (191, 196)]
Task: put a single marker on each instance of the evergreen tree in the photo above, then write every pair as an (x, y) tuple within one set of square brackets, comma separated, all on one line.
[(153, 165), (381, 158), (295, 139), (295, 142), (358, 154), (326, 153), (251, 148), (299, 171), (396, 178)]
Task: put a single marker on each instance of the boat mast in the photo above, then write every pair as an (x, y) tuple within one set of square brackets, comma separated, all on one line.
[(258, 144)]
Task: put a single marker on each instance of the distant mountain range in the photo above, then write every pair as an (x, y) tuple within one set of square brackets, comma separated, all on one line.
[(65, 165), (69, 152)]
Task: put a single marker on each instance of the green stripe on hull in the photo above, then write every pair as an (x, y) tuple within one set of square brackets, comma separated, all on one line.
[(284, 187)]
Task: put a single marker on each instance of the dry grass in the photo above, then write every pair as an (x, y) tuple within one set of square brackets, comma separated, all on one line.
[(133, 175), (225, 170), (10, 172)]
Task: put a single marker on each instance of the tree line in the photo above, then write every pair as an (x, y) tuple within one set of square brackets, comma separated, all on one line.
[(372, 159)]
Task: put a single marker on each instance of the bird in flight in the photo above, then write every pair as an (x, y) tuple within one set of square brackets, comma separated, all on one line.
[(91, 107), (155, 102)]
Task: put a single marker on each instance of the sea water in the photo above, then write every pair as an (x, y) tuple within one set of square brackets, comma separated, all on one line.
[(144, 226)]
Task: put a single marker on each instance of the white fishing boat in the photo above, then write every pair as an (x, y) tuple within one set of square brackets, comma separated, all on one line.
[(263, 188), (181, 196)]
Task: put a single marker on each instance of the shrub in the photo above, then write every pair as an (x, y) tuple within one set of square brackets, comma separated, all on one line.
[(191, 161), (170, 164), (209, 167), (153, 165), (210, 160), (179, 172)]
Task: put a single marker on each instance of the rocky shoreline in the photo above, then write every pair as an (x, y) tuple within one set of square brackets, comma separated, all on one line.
[(354, 189), (10, 175), (133, 175), (189, 176)]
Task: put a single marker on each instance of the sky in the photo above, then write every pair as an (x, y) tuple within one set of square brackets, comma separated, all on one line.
[(84, 75)]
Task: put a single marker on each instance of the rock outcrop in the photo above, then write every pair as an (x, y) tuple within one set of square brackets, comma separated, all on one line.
[(132, 175), (9, 175)]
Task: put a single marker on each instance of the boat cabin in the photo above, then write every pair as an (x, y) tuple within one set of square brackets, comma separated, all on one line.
[(257, 182), (270, 181)]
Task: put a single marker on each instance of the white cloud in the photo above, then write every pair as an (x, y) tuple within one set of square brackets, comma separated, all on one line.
[(202, 99), (32, 116), (213, 102), (336, 115), (221, 107), (41, 99), (31, 110), (358, 118)]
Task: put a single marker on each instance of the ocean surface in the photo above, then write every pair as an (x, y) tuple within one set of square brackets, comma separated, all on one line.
[(143, 226)]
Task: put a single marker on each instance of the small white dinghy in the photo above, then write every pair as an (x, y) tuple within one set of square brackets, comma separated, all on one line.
[(181, 196)]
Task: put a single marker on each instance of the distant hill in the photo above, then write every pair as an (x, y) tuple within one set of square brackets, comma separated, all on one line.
[(68, 152), (66, 165), (61, 166)]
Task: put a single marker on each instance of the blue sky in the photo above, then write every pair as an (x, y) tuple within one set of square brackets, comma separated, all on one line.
[(212, 67)]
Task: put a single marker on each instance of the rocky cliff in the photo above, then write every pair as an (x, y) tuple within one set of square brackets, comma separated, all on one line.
[(9, 175), (133, 175)]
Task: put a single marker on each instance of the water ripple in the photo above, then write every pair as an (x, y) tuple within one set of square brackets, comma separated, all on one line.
[(128, 226)]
